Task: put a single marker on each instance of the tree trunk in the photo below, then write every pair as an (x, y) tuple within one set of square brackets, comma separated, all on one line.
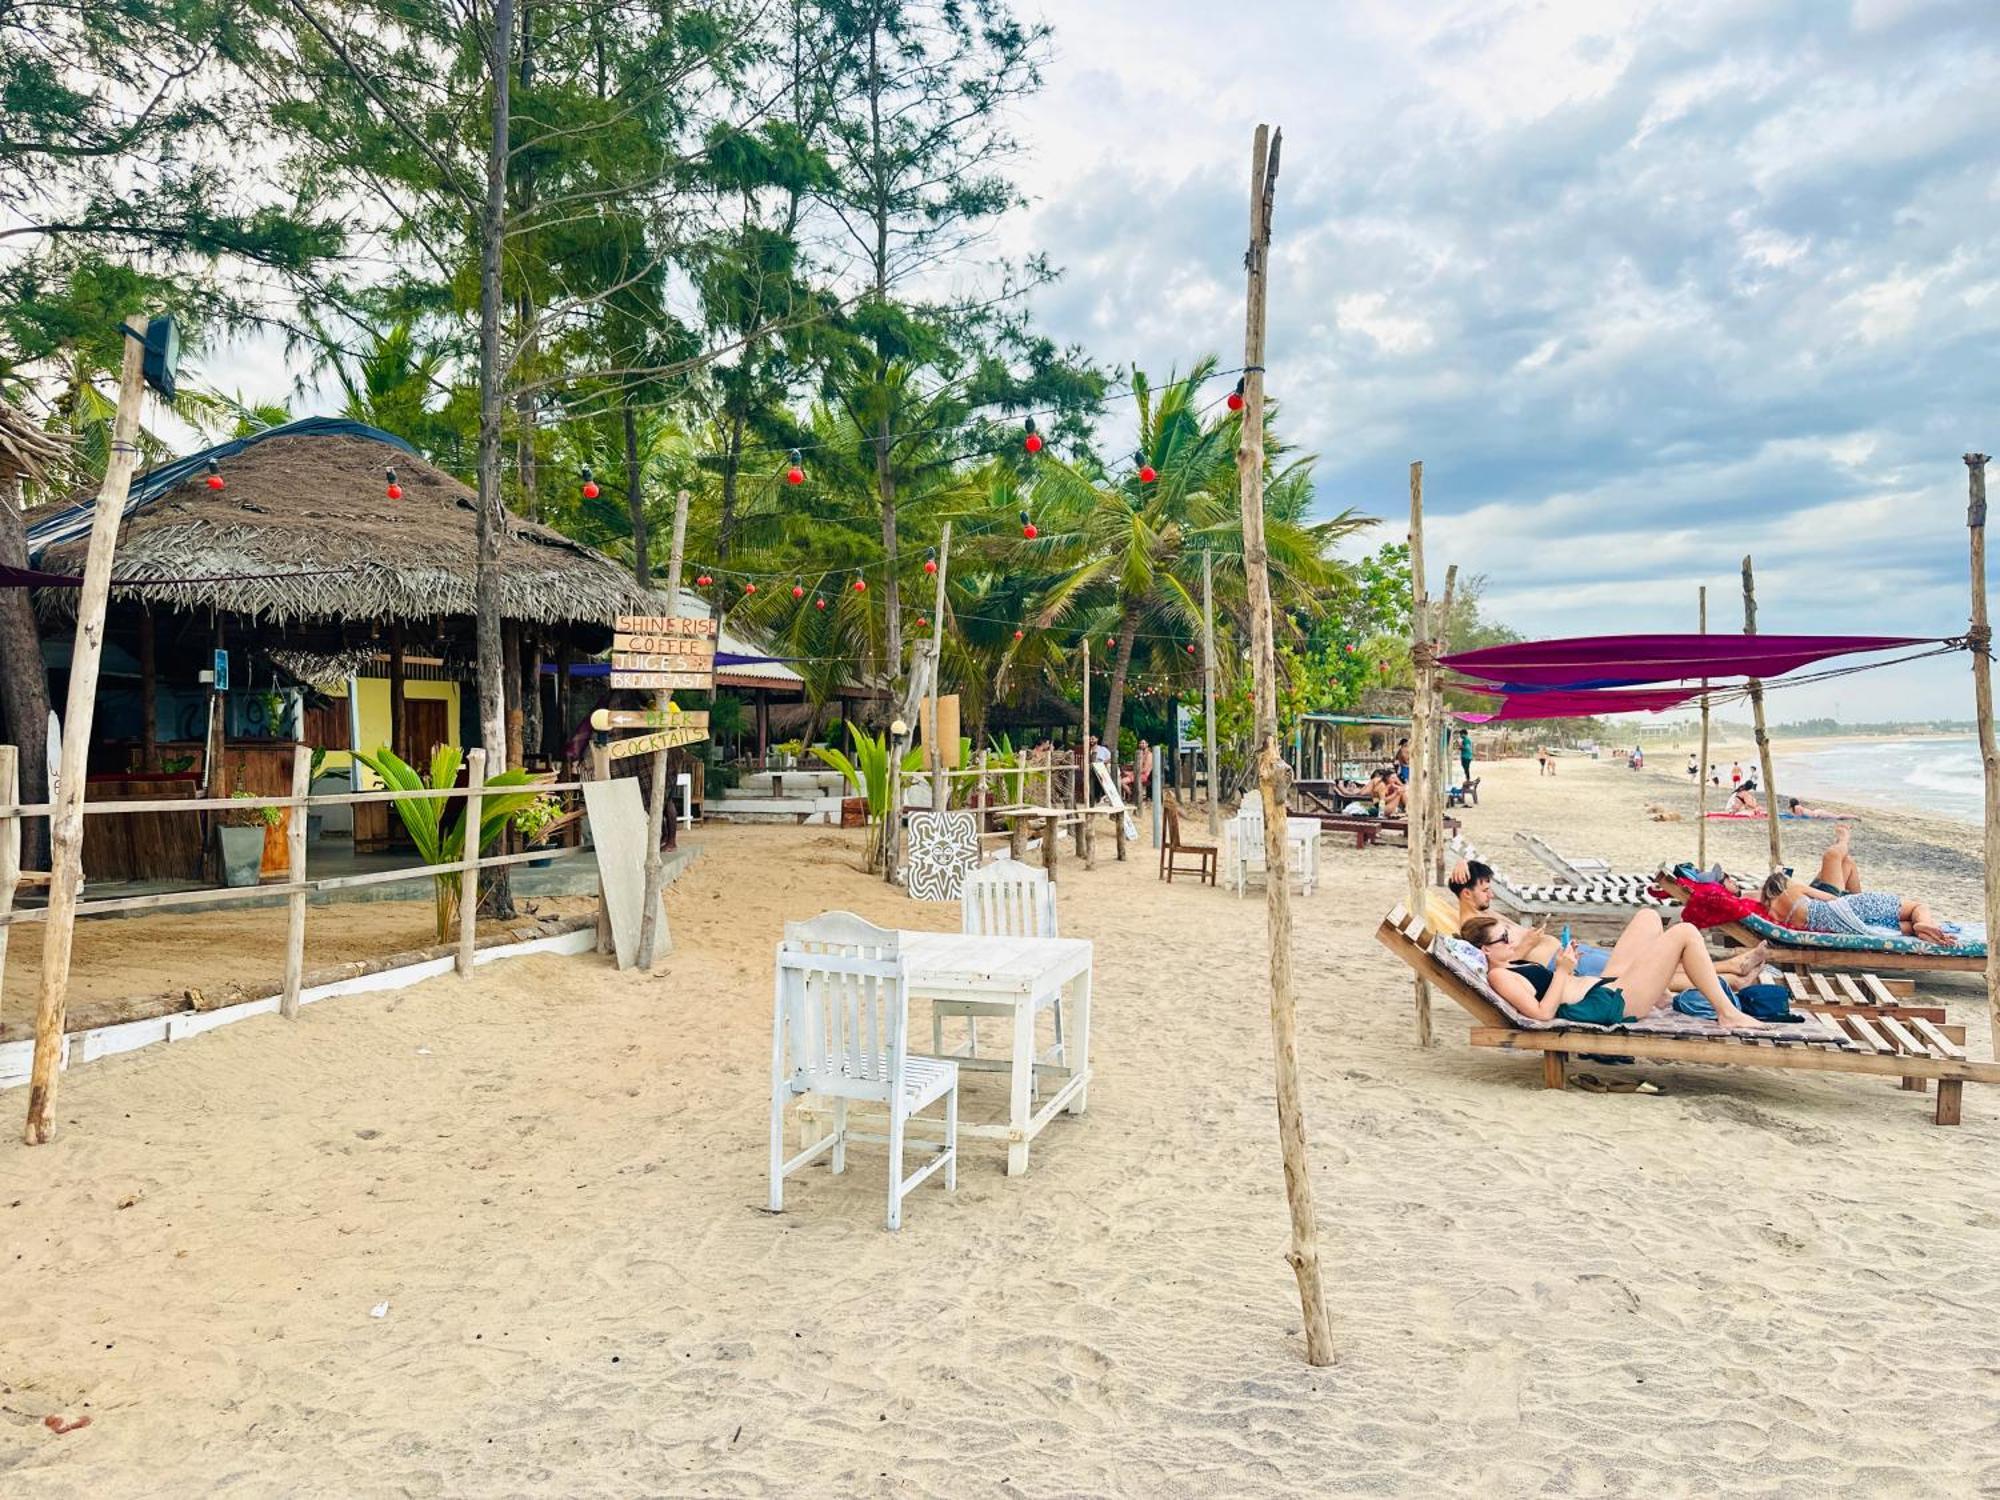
[(635, 498), (491, 514), (892, 605), (1114, 697), (24, 685)]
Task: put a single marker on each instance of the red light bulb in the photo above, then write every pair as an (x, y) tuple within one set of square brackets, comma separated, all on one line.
[(1190, 648), (704, 580), (860, 585), (749, 588), (395, 492), (1147, 474), (820, 600), (798, 591), (1017, 635), (1236, 401), (590, 489), (795, 475), (1029, 531), (1032, 442), (930, 565), (215, 481), (922, 622)]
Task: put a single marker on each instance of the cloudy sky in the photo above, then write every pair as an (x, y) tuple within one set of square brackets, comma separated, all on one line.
[(1645, 286)]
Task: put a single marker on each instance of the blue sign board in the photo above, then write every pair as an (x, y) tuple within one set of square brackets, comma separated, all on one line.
[(222, 671)]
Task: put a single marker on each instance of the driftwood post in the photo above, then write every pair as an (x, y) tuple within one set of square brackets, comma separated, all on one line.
[(1701, 767), (295, 876), (1416, 817), (66, 816), (1757, 719), (1980, 639), (1208, 689), (10, 840), (1272, 774), (468, 879), (658, 814), (940, 785)]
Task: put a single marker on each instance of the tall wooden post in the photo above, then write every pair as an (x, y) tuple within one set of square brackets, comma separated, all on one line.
[(1415, 805), (659, 816), (149, 695), (295, 875), (66, 816), (1980, 639), (10, 843), (1208, 689), (468, 876), (1272, 774), (940, 785), (1757, 718), (1701, 768)]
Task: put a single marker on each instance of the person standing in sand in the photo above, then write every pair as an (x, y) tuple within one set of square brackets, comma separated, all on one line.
[(1465, 755), (1735, 774), (1694, 768)]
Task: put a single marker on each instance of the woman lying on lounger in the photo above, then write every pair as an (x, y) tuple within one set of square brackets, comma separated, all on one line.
[(1539, 945), (1643, 976), (1835, 902)]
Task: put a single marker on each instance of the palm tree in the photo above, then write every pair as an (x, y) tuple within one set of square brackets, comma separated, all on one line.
[(1126, 552)]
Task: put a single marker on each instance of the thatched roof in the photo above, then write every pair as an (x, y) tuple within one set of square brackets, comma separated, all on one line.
[(303, 529)]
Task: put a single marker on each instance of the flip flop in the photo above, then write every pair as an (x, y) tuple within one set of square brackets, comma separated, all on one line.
[(1590, 1083)]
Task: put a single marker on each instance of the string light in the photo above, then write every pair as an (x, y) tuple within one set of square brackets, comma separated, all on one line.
[(1147, 473), (860, 585), (796, 474), (214, 475), (704, 580), (589, 485), (1236, 396), (1028, 527), (798, 591), (930, 561), (1033, 441), (395, 490), (820, 600), (749, 588)]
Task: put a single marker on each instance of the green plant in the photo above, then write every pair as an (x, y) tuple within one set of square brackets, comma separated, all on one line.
[(318, 760), (250, 817), (532, 821), (868, 773), (423, 817), (173, 765)]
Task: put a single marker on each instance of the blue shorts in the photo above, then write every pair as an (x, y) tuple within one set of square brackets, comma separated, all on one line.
[(1591, 959)]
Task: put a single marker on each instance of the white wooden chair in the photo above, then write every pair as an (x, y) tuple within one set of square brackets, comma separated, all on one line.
[(840, 1025), (1243, 852), (1003, 899)]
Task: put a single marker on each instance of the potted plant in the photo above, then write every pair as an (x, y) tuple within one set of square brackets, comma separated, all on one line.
[(868, 773), (239, 834), (535, 821)]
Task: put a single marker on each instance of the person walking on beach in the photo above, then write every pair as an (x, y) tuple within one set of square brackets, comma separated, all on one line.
[(1735, 774)]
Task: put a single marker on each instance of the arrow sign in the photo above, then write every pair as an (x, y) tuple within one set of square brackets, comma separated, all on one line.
[(649, 718), (648, 744)]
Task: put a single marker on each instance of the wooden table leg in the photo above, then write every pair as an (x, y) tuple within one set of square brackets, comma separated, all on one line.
[(1020, 1108), (1077, 1039)]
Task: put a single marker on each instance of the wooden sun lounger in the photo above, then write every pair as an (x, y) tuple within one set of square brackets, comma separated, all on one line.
[(1837, 994), (1805, 954), (1366, 829), (1917, 1051), (1600, 898)]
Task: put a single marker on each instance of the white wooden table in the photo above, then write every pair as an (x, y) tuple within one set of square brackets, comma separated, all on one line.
[(1021, 978)]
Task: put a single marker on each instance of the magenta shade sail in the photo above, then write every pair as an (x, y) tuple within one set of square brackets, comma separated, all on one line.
[(1582, 705), (1609, 661)]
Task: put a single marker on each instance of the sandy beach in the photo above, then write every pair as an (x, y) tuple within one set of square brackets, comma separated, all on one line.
[(553, 1175)]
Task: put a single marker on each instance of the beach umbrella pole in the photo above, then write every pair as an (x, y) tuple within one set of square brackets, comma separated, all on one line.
[(1416, 807), (1701, 770), (1757, 718), (1980, 639), (1272, 775)]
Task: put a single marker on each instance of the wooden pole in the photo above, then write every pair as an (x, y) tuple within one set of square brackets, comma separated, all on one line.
[(1086, 721), (468, 878), (1980, 639), (1757, 718), (1701, 768), (10, 844), (149, 694), (1415, 815), (66, 816), (295, 875), (940, 792), (1208, 689), (659, 818), (1272, 774), (1440, 733), (398, 695)]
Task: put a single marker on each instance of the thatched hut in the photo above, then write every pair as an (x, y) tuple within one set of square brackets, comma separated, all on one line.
[(301, 602)]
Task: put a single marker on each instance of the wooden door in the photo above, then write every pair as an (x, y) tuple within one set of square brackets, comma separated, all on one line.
[(425, 726)]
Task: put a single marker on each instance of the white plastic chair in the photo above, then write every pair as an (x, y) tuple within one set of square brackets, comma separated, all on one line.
[(1003, 899), (1244, 848), (840, 1025)]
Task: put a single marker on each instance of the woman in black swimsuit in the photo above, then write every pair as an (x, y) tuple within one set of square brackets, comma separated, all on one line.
[(1634, 985)]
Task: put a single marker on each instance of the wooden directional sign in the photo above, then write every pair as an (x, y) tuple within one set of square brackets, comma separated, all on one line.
[(649, 718), (647, 744), (665, 645), (662, 681), (660, 661)]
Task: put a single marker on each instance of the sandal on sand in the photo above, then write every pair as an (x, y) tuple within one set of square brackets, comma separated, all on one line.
[(1590, 1083)]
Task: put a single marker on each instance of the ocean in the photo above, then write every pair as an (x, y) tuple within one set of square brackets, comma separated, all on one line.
[(1937, 775)]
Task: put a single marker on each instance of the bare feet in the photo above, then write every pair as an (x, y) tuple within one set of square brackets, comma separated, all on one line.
[(1733, 1019)]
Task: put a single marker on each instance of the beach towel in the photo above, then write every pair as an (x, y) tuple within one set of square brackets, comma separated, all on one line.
[(1709, 904), (1969, 939)]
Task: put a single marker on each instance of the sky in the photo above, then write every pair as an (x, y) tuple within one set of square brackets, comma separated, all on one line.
[(1646, 287)]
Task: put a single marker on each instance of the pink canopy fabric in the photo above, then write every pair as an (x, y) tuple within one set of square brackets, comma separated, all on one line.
[(1582, 705), (1608, 661)]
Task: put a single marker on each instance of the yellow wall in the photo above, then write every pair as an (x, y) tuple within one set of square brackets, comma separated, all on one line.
[(373, 702)]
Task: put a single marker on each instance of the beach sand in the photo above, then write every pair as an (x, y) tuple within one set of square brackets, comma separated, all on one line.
[(553, 1174)]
